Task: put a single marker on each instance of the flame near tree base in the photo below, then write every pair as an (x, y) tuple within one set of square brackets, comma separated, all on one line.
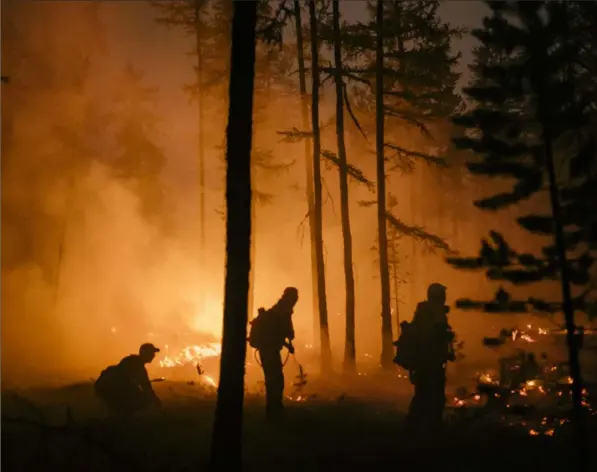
[(191, 355), (195, 356)]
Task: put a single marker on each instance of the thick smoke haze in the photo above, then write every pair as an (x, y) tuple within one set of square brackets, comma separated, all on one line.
[(93, 266)]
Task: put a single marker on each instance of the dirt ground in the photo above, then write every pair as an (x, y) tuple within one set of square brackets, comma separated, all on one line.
[(67, 429)]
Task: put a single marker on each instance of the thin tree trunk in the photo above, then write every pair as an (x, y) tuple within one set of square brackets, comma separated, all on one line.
[(395, 281), (386, 315), (226, 447), (413, 182), (349, 345), (251, 300), (200, 144), (308, 167), (324, 331), (571, 329)]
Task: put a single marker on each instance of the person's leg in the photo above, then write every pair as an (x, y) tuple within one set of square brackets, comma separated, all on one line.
[(269, 366), (437, 398), (278, 381), (274, 381), (415, 408)]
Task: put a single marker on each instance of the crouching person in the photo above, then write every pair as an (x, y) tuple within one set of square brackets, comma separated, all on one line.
[(125, 388)]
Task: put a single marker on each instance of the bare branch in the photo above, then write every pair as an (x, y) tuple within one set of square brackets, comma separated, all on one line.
[(352, 115), (419, 234), (354, 172), (294, 135), (331, 71), (328, 195), (402, 153)]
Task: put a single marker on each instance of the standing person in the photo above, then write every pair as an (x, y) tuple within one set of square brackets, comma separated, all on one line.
[(434, 348), (126, 388), (270, 332)]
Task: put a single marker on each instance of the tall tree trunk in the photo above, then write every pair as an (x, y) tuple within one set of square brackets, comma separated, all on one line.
[(568, 307), (226, 447), (200, 145), (414, 259), (251, 300), (394, 256), (308, 167), (349, 345), (324, 330), (386, 314)]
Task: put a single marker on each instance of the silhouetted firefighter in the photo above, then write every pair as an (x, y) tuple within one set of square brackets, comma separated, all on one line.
[(126, 388), (424, 348), (271, 331)]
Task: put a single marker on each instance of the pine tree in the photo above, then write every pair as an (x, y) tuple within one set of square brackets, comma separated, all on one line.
[(298, 25), (382, 236), (324, 333), (397, 274), (350, 346), (409, 76), (272, 78), (531, 122), (317, 12), (419, 94)]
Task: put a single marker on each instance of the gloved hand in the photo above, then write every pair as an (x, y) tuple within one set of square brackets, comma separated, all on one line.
[(291, 349)]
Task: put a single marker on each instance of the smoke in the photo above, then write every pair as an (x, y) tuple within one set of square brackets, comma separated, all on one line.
[(91, 277), (119, 282)]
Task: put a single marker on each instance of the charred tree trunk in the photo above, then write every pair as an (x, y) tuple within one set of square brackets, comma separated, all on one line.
[(226, 447), (414, 259), (324, 331), (386, 313), (349, 346), (395, 282), (397, 302), (568, 307), (308, 167), (251, 298), (200, 143)]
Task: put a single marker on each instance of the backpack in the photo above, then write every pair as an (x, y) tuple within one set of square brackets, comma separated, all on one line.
[(108, 382), (406, 347), (257, 330)]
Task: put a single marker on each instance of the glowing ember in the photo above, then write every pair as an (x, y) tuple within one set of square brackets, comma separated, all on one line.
[(487, 379), (192, 355), (298, 399), (526, 337)]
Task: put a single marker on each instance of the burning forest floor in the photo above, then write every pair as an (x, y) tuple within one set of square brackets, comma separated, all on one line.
[(326, 428)]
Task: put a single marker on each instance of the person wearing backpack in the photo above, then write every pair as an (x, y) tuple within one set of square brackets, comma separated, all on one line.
[(431, 342), (271, 331), (125, 388)]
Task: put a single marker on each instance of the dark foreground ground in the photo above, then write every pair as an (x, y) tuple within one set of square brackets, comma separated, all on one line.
[(66, 429)]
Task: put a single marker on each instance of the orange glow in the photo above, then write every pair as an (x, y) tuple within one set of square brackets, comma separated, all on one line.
[(192, 355)]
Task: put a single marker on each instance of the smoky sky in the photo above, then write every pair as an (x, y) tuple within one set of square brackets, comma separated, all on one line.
[(162, 54)]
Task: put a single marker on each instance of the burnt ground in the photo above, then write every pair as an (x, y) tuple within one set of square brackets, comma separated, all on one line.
[(66, 429)]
